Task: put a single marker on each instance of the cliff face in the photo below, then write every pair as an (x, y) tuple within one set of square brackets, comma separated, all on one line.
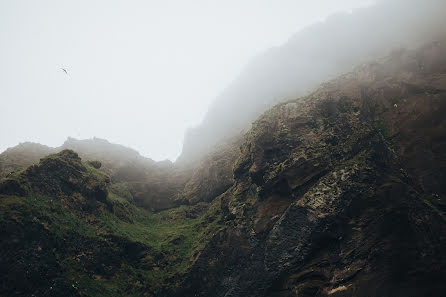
[(329, 199), (338, 193), (312, 56), (212, 175)]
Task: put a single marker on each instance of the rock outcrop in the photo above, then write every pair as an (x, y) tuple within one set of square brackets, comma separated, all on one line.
[(327, 200)]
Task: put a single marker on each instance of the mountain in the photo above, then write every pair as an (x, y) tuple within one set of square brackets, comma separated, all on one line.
[(68, 231), (22, 156), (112, 156), (337, 193), (124, 165), (153, 185), (401, 96), (115, 158), (340, 193), (312, 56)]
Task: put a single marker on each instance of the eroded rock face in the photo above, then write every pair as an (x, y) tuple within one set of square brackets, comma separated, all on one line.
[(328, 199), (339, 193), (213, 175), (312, 56)]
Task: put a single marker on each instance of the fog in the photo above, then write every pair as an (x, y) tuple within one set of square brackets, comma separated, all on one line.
[(313, 55), (139, 73), (142, 73)]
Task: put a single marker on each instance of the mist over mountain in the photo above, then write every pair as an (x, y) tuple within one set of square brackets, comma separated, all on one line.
[(312, 56), (153, 185), (111, 155), (339, 193), (319, 172)]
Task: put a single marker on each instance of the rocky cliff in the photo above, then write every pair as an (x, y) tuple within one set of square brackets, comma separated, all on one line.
[(338, 193), (310, 57), (330, 198)]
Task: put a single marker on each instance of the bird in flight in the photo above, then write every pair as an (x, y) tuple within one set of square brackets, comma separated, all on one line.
[(64, 70)]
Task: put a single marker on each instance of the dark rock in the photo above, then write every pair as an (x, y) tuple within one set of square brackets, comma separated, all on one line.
[(329, 193)]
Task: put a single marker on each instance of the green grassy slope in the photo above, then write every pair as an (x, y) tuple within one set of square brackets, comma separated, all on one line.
[(80, 235)]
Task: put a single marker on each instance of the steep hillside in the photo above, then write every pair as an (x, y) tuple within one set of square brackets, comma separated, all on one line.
[(66, 231), (153, 185), (338, 193), (212, 175), (312, 56), (330, 196)]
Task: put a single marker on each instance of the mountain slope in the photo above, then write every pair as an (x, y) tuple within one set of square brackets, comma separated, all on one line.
[(153, 185), (327, 200), (22, 156), (316, 54), (339, 193), (112, 156), (67, 231)]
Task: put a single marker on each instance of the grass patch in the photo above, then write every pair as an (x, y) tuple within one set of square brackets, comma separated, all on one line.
[(106, 246), (173, 238)]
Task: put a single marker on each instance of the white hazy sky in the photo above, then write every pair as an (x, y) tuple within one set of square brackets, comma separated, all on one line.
[(140, 72)]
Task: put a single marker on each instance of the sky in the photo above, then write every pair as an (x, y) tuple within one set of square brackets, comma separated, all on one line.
[(139, 72)]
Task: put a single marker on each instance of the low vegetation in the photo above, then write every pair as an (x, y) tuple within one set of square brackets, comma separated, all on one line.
[(103, 247)]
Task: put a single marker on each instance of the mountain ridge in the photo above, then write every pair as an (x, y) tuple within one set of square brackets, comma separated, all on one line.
[(316, 54), (325, 202), (338, 193)]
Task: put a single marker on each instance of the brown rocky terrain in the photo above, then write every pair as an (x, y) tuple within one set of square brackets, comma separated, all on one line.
[(314, 55), (338, 193), (330, 196)]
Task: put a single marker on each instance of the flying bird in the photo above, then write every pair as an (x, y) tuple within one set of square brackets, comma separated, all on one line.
[(64, 70)]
